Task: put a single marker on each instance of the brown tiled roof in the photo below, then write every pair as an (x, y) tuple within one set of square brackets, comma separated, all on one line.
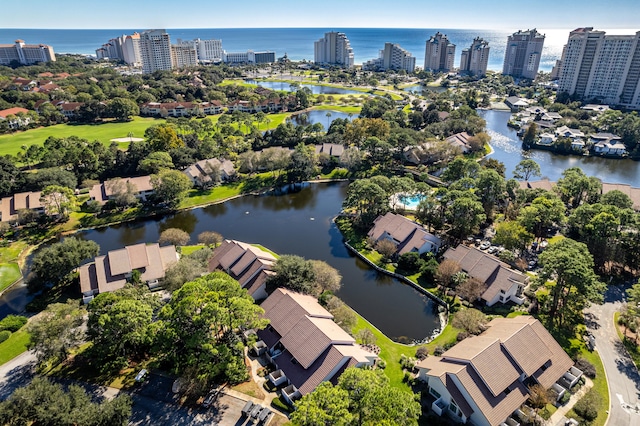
[(119, 261), (309, 337), (12, 111), (408, 235), (285, 308), (486, 268), (487, 374), (9, 206), (306, 380), (457, 396)]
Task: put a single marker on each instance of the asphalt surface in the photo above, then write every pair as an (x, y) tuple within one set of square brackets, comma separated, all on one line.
[(153, 402), (622, 375)]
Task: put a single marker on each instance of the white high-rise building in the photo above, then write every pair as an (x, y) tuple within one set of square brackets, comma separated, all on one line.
[(439, 53), (475, 59), (155, 51), (131, 49), (209, 50), (523, 53), (333, 49), (392, 57), (26, 54), (606, 68)]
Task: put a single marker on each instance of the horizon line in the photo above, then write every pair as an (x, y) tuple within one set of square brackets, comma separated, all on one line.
[(305, 27)]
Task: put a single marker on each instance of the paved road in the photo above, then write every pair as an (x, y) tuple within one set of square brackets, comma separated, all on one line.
[(622, 375)]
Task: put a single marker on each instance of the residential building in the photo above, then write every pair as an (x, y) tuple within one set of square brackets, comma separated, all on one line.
[(516, 104), (26, 54), (180, 109), (10, 206), (206, 173), (113, 271), (69, 109), (392, 57), (439, 53), (460, 141), (249, 57), (483, 380), (155, 51), (245, 263), (334, 150), (184, 54), (408, 236), (333, 49), (123, 48), (305, 345), (16, 117), (209, 50), (523, 53), (602, 67), (474, 60), (633, 193), (503, 283), (140, 186), (608, 144)]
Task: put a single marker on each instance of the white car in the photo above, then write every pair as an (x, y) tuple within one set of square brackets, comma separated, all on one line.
[(485, 245), (141, 375)]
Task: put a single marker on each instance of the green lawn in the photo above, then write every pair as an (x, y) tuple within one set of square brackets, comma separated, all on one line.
[(14, 345), (11, 143), (391, 351), (9, 273)]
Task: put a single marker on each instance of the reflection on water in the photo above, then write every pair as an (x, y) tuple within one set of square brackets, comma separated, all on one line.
[(315, 88), (299, 222)]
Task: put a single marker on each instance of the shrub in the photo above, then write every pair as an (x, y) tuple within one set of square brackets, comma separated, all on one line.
[(565, 398), (13, 323), (587, 368), (588, 406), (410, 262), (422, 352), (439, 350), (382, 364), (461, 336), (281, 405), (470, 320), (406, 377), (4, 335)]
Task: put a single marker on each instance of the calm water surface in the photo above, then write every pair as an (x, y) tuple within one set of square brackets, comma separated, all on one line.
[(508, 149), (298, 223), (316, 89)]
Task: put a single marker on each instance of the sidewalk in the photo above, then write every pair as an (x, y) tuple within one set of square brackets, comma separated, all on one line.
[(558, 418)]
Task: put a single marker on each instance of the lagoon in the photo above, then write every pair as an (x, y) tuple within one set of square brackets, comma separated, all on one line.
[(316, 89)]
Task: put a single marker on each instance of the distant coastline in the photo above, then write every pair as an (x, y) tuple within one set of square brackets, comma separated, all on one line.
[(297, 43)]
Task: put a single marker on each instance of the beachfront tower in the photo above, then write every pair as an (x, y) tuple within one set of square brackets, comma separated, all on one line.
[(439, 53), (155, 51), (392, 57), (474, 60), (333, 49), (523, 53), (601, 67)]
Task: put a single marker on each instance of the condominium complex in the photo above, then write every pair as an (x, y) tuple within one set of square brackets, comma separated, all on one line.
[(209, 50), (333, 49), (523, 53), (184, 54), (124, 48), (392, 57), (26, 54), (249, 57), (601, 67), (439, 53), (155, 51), (474, 60)]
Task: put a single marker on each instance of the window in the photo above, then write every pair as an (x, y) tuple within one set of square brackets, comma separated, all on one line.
[(434, 392), (453, 407)]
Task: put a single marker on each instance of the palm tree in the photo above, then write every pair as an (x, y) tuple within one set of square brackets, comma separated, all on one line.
[(328, 114), (350, 115)]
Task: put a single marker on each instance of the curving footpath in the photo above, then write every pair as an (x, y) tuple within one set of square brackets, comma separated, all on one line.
[(622, 375)]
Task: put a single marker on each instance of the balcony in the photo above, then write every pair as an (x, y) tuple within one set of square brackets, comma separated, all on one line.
[(290, 393), (259, 347), (439, 406), (510, 422), (277, 377)]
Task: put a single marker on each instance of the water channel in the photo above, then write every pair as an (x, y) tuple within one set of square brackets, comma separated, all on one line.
[(507, 148), (316, 89), (320, 116)]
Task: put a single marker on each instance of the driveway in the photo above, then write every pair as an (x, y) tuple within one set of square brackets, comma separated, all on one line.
[(622, 375)]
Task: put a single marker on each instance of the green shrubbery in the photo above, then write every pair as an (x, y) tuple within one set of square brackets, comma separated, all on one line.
[(12, 323), (4, 335), (589, 405)]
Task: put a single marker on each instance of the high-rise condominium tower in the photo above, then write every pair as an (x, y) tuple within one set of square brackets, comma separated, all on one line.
[(155, 51), (474, 59), (439, 53), (333, 49), (523, 53)]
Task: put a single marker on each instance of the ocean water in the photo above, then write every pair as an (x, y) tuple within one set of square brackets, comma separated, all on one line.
[(297, 43)]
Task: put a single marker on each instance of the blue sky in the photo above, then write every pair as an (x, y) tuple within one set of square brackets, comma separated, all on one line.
[(480, 14)]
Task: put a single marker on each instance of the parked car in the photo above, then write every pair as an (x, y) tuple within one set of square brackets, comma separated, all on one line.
[(532, 265), (210, 398), (141, 375), (485, 245), (492, 249)]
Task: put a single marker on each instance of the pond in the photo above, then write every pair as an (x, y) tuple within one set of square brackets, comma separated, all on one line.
[(316, 89), (507, 148), (297, 223), (418, 89), (320, 116)]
